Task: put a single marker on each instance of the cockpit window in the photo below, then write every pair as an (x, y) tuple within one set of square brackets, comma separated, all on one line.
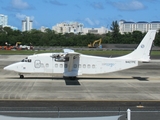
[(22, 60), (26, 60), (29, 60)]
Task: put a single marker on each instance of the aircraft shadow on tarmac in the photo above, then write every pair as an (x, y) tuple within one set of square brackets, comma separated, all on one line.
[(69, 81), (141, 78)]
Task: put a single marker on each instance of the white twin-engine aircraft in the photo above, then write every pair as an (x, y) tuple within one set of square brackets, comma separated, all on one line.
[(71, 64)]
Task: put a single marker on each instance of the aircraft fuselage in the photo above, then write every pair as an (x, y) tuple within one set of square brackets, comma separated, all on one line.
[(82, 64)]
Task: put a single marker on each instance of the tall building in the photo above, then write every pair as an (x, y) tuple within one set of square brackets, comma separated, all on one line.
[(3, 20), (143, 26), (27, 24)]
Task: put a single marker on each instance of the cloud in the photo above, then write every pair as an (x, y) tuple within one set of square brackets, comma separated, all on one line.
[(92, 22), (97, 22), (89, 21), (45, 1), (151, 0), (19, 4), (131, 5), (77, 6), (55, 2), (97, 5), (22, 16)]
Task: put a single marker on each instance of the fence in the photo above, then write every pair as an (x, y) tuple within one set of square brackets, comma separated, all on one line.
[(60, 112)]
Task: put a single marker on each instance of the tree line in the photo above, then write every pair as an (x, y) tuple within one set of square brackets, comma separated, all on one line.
[(51, 38)]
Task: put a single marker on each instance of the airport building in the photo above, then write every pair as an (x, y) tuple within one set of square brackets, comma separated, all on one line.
[(143, 26), (27, 24)]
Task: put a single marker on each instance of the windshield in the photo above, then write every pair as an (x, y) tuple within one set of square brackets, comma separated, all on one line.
[(26, 60)]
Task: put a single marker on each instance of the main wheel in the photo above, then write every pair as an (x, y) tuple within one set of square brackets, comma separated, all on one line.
[(73, 78), (69, 78), (21, 76)]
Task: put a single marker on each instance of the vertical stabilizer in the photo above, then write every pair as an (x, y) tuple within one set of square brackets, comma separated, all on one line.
[(142, 53)]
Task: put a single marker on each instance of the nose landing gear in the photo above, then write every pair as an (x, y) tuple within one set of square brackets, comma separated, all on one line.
[(21, 76)]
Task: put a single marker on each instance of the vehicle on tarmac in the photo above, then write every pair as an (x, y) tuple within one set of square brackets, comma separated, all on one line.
[(72, 64)]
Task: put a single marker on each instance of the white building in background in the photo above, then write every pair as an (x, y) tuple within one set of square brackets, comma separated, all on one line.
[(143, 26), (3, 20), (72, 27), (75, 27), (27, 24), (101, 30), (43, 28)]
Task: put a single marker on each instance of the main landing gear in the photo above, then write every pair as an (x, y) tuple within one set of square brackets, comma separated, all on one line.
[(70, 78)]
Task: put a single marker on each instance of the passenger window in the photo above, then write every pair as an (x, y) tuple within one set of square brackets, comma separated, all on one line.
[(88, 66), (84, 66), (75, 65), (65, 65), (61, 65), (29, 60), (93, 66), (56, 65), (47, 65)]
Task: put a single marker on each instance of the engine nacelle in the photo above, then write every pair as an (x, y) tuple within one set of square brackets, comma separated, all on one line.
[(60, 57)]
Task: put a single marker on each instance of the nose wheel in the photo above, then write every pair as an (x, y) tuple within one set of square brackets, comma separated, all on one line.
[(21, 76)]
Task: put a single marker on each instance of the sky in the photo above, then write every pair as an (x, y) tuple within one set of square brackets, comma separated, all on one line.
[(91, 13)]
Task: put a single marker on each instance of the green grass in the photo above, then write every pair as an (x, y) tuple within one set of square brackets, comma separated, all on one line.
[(22, 52), (93, 52)]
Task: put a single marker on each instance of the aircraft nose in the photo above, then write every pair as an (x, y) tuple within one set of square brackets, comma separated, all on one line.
[(10, 67), (5, 68)]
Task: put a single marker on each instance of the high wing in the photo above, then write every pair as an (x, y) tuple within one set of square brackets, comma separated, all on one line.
[(73, 57)]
